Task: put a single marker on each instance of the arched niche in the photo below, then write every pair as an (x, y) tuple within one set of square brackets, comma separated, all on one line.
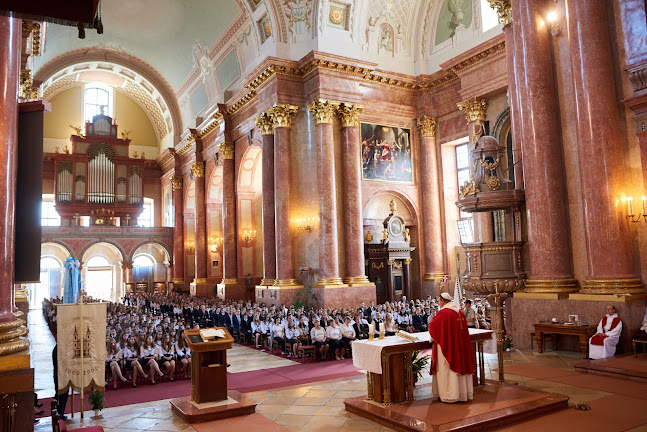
[(103, 282)]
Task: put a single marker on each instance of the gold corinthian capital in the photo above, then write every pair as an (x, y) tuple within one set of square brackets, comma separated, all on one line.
[(503, 10), (197, 169), (427, 126), (226, 150), (474, 109), (176, 182), (282, 114), (349, 114), (264, 123), (323, 111)]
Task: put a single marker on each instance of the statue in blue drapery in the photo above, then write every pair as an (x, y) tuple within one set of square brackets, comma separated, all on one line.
[(71, 280)]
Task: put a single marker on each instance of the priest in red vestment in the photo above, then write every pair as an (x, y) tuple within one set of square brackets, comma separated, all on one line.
[(452, 363)]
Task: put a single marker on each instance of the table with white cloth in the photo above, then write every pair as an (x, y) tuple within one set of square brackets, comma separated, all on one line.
[(388, 364)]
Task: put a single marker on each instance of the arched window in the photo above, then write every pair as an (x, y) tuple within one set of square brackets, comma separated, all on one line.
[(48, 214), (145, 218), (98, 261), (143, 261), (97, 99), (99, 278)]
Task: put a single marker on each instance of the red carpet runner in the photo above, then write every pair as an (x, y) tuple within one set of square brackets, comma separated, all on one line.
[(244, 382)]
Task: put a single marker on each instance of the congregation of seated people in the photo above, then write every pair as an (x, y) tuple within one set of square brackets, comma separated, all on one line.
[(145, 332)]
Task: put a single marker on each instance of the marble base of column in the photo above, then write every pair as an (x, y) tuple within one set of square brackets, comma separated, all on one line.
[(339, 296), (332, 282), (267, 282), (551, 286), (612, 286), (202, 288), (227, 289), (357, 281), (286, 283)]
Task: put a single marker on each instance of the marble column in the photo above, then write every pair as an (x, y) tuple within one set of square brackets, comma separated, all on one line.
[(264, 123), (323, 112), (474, 110), (12, 329), (503, 9), (602, 168), (282, 116), (432, 244), (178, 231), (230, 265), (353, 219), (549, 247), (200, 222)]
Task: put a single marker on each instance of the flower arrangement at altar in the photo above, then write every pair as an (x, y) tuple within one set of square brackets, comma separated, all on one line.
[(96, 400), (419, 363)]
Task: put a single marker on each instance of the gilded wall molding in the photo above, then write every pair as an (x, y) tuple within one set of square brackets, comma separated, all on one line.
[(176, 182), (349, 114), (265, 124), (503, 9), (427, 126), (478, 58), (474, 109), (226, 150), (282, 114), (323, 111), (197, 169)]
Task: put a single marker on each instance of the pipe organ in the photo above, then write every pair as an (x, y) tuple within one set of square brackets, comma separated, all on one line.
[(99, 177)]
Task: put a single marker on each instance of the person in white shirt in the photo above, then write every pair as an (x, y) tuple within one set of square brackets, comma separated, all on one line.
[(113, 362), (348, 334), (130, 355), (266, 331), (278, 334), (148, 355), (256, 330), (291, 338), (166, 353), (603, 343), (318, 337), (333, 334), (643, 326), (183, 353), (470, 315)]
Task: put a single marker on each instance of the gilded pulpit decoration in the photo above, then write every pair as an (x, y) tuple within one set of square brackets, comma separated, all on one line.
[(176, 182), (27, 90), (265, 124), (503, 10), (427, 126), (323, 111), (349, 114), (282, 114), (197, 169), (469, 188), (369, 237), (474, 109), (226, 150)]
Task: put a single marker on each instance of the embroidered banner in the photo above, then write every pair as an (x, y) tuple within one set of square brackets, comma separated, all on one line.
[(81, 345)]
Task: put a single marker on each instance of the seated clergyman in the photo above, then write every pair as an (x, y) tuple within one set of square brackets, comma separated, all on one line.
[(603, 343)]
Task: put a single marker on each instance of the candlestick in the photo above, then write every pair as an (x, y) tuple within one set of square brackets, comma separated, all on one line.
[(371, 332), (644, 213), (631, 208)]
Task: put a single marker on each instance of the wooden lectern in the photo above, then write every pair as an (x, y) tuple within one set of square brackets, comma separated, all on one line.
[(208, 366)]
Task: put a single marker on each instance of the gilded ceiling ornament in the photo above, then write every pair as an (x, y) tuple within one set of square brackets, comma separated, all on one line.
[(503, 10), (349, 114), (474, 109), (176, 182), (427, 126), (197, 169), (323, 110), (226, 150), (265, 124), (282, 114)]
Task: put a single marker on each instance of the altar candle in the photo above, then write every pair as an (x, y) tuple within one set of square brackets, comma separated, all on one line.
[(631, 209), (371, 329), (644, 214), (381, 327)]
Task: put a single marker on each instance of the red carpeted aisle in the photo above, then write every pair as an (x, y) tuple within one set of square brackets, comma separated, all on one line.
[(244, 382)]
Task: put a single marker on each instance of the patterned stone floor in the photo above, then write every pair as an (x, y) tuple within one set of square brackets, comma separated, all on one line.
[(315, 407)]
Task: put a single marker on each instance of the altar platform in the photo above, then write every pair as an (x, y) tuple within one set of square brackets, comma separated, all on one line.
[(624, 366), (494, 405)]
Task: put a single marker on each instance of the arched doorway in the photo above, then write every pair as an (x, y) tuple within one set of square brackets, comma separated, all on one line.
[(144, 269), (99, 278), (51, 274)]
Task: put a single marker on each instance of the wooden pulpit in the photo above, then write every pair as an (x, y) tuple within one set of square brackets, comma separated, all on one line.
[(208, 366)]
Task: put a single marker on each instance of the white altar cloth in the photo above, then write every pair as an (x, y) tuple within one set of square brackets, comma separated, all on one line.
[(367, 355)]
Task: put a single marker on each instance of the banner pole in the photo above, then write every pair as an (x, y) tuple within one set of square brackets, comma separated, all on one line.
[(82, 348)]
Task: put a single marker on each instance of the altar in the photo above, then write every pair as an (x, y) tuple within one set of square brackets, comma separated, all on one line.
[(388, 364)]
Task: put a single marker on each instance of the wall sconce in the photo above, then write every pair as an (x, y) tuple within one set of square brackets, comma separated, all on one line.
[(214, 243), (248, 237), (305, 224), (190, 247), (632, 217), (551, 18)]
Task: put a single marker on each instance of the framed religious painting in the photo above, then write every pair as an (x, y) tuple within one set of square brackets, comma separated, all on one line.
[(386, 153)]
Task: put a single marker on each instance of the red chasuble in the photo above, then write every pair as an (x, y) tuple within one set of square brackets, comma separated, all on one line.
[(449, 330), (599, 339)]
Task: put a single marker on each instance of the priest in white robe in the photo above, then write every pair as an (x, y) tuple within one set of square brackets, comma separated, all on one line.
[(603, 343)]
